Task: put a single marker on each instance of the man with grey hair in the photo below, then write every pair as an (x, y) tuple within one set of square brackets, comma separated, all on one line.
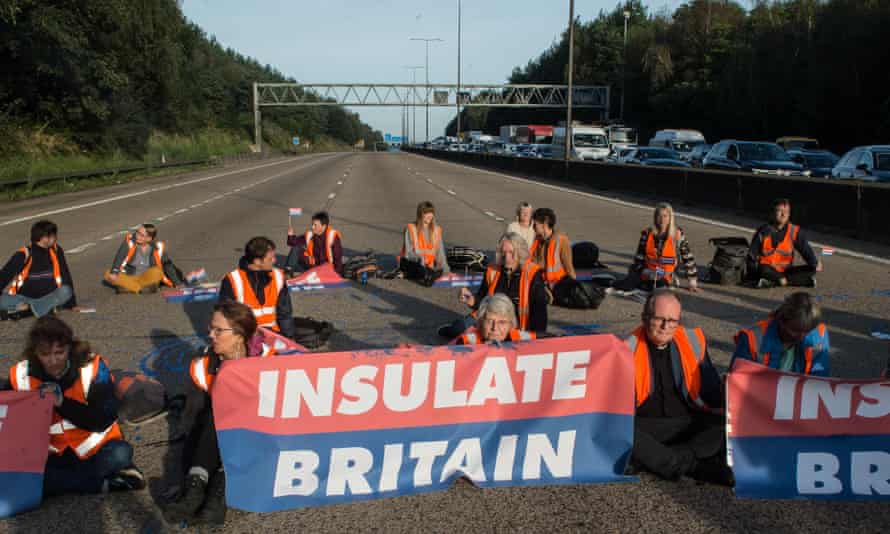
[(679, 422), (792, 338), (497, 323)]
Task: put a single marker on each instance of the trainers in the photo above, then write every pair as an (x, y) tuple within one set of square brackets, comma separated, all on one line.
[(763, 283), (214, 509), (191, 498), (127, 479)]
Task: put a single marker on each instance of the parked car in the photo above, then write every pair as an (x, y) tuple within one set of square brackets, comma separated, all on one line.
[(695, 156), (654, 156), (759, 157), (869, 163), (818, 162), (798, 143), (619, 153)]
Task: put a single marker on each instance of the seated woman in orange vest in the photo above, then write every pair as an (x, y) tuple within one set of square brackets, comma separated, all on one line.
[(551, 249), (231, 329), (496, 323), (679, 423), (142, 263), (261, 286), (87, 451), (36, 278), (793, 338), (771, 255), (661, 250), (423, 250), (320, 244)]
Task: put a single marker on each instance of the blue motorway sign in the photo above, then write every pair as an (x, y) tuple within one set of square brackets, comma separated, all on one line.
[(296, 140)]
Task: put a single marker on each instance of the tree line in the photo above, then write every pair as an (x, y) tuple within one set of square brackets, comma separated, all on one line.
[(760, 71), (105, 74)]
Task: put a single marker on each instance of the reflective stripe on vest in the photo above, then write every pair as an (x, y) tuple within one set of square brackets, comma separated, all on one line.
[(521, 335), (660, 266), (265, 313), (555, 271), (64, 433), (425, 250), (493, 274), (755, 340), (200, 373), (157, 254), (781, 255), (19, 280), (309, 252), (471, 337)]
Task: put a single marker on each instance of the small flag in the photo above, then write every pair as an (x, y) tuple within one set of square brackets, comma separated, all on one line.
[(293, 212), (827, 251), (196, 276)]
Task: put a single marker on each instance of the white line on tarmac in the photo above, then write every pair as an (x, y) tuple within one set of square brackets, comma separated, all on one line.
[(429, 181), (183, 210), (696, 218), (332, 195), (78, 250), (340, 182), (193, 206), (147, 191), (499, 219), (450, 192), (108, 237), (490, 214), (123, 232)]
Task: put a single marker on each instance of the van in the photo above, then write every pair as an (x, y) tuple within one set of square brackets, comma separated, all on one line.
[(588, 143), (682, 141)]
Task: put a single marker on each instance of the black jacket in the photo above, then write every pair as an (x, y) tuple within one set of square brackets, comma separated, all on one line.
[(40, 280), (509, 285), (258, 282)]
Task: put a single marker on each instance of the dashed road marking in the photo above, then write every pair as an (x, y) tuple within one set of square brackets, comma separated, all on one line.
[(499, 219), (183, 210), (332, 195), (429, 181), (81, 248), (193, 206), (108, 237), (340, 182), (450, 192), (490, 214)]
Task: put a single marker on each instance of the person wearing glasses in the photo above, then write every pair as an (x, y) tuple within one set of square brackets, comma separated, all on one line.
[(679, 423), (142, 263), (792, 338), (496, 323)]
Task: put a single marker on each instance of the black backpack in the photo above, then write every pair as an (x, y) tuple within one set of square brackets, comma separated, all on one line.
[(461, 258), (311, 333), (578, 294), (728, 266), (356, 265), (586, 255)]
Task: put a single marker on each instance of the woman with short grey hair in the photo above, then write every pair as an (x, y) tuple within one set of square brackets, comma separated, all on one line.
[(520, 248), (496, 323)]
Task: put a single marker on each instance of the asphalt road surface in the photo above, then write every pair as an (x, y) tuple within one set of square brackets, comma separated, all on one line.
[(206, 218)]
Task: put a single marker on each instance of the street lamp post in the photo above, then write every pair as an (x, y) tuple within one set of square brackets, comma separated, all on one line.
[(569, 143), (413, 101), (457, 96), (427, 40), (624, 64)]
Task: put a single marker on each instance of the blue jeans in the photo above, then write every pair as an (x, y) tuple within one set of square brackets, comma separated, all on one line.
[(66, 473), (39, 306)]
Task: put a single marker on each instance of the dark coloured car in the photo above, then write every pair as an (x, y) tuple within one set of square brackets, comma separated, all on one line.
[(759, 157), (869, 163), (654, 156), (817, 162), (697, 154)]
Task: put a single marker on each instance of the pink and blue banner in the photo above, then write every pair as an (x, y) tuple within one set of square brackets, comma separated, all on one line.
[(322, 277), (24, 441), (332, 428), (801, 437)]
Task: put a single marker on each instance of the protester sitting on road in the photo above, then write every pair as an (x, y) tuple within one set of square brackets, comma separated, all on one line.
[(87, 451), (261, 286), (497, 323), (423, 249), (320, 244), (551, 249), (662, 248), (772, 249), (514, 276), (523, 223), (791, 339), (232, 326), (142, 263), (37, 276), (678, 426)]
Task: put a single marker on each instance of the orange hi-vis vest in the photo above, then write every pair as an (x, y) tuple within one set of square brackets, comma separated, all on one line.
[(264, 313), (473, 336), (309, 252), (779, 256), (755, 337), (62, 432), (493, 274), (158, 254), (19, 280), (555, 271), (660, 266), (688, 350), (426, 250), (199, 369)]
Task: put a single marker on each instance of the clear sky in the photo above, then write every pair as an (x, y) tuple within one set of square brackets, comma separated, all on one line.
[(367, 41)]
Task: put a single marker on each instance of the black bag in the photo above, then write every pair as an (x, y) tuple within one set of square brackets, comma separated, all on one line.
[(461, 258), (311, 333), (586, 255), (577, 294), (354, 267), (728, 266)]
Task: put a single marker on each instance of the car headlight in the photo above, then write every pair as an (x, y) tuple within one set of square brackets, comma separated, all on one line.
[(807, 173)]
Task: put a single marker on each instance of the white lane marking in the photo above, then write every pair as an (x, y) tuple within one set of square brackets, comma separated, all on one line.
[(108, 237), (123, 232), (340, 182), (429, 181), (490, 214), (239, 189), (161, 218), (499, 219), (696, 218), (183, 210), (332, 195), (193, 206), (152, 190), (78, 250), (450, 192)]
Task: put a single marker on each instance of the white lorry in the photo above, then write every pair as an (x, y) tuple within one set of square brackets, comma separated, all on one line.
[(589, 143)]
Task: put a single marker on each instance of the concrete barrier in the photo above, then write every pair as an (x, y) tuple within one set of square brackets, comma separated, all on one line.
[(850, 207)]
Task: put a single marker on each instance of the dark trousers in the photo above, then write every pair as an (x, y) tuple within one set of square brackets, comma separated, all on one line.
[(634, 280), (201, 448), (672, 446), (798, 275), (66, 473)]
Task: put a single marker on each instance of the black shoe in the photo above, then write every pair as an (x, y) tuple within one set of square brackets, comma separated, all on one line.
[(214, 510), (445, 331), (127, 479), (191, 498), (714, 471)]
